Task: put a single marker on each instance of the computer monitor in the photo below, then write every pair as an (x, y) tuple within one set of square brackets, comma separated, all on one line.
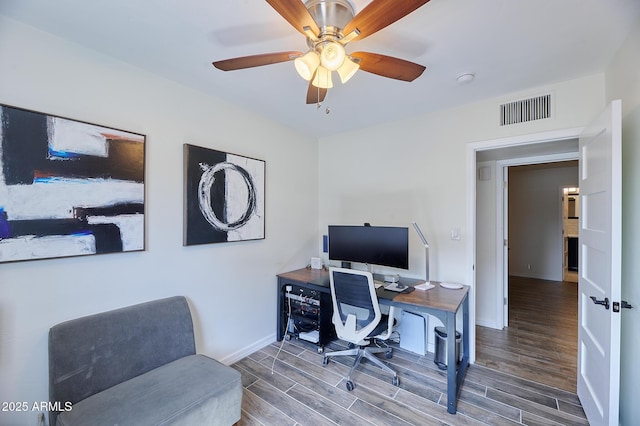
[(376, 245)]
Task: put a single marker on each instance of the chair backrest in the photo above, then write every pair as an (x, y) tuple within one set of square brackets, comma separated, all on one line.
[(356, 312)]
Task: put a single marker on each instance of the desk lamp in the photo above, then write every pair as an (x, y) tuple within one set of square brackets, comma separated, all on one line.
[(426, 249)]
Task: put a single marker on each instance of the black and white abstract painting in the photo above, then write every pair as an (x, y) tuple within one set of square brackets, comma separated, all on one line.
[(68, 188), (223, 196)]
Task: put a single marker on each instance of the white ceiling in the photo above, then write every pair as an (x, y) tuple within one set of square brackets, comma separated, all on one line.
[(510, 45)]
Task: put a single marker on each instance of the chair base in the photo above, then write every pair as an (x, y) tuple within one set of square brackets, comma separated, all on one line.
[(360, 353)]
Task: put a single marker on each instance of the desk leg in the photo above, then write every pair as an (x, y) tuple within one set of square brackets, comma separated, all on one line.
[(455, 376), (279, 320), (452, 364)]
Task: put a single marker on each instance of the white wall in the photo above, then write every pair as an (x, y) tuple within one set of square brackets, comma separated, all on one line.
[(535, 220), (230, 287), (415, 169), (623, 82)]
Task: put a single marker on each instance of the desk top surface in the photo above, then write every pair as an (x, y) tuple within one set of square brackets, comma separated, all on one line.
[(437, 298)]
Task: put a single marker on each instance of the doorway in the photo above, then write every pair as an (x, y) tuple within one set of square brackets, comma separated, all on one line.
[(537, 340), (539, 227), (486, 250)]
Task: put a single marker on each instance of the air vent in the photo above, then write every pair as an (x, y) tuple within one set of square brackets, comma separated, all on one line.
[(525, 110)]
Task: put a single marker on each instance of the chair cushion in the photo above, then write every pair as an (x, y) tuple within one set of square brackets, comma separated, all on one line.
[(189, 391)]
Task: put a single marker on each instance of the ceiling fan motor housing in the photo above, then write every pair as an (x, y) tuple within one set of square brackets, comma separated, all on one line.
[(330, 15)]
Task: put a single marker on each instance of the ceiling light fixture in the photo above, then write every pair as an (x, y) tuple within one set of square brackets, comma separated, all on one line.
[(348, 68), (327, 53), (332, 55), (322, 79), (307, 64)]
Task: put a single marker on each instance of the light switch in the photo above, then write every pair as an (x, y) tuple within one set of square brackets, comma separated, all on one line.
[(455, 233)]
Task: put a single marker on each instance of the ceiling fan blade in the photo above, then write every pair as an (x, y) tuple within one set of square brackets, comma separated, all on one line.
[(388, 66), (315, 95), (255, 60), (379, 14), (295, 13)]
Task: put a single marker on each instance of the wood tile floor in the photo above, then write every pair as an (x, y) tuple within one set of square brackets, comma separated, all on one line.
[(541, 342), (296, 389)]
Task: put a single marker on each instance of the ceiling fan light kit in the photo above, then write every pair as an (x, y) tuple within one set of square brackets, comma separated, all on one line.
[(348, 69), (322, 78), (328, 26), (332, 55), (307, 64)]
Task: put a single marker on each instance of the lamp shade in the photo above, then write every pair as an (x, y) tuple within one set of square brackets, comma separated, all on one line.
[(322, 78), (348, 69), (307, 64), (332, 55)]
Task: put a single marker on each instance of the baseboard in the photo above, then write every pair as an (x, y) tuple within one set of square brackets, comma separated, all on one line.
[(535, 276), (489, 324), (248, 350)]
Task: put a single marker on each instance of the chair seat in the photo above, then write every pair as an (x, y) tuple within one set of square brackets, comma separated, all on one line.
[(202, 391)]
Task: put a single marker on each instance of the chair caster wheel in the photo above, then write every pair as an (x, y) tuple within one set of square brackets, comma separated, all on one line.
[(388, 354), (325, 360), (350, 385), (320, 349), (287, 337), (396, 382)]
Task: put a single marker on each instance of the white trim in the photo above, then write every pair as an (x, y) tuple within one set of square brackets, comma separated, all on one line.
[(248, 350), (502, 203), (539, 159)]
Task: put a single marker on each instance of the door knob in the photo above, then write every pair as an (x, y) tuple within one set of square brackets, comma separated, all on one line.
[(604, 302), (623, 305)]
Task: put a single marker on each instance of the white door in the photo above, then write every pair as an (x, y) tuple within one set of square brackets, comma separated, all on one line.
[(600, 267)]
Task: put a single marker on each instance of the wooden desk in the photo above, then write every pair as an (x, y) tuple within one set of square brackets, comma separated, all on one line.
[(442, 303)]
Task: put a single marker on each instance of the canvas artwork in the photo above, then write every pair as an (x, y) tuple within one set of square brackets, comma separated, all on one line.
[(223, 196), (68, 188)]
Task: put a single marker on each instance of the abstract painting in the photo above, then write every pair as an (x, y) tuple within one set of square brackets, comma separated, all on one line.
[(68, 188), (223, 197)]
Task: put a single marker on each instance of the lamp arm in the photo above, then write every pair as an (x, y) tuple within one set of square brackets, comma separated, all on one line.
[(426, 249)]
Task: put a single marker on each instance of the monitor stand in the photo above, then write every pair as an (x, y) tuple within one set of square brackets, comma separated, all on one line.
[(346, 265)]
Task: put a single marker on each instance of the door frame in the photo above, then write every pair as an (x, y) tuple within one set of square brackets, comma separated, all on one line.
[(472, 149), (502, 222), (563, 234)]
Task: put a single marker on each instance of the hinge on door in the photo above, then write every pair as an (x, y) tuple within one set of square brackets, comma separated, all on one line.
[(505, 243)]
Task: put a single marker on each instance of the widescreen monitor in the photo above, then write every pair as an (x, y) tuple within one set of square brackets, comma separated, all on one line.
[(375, 245)]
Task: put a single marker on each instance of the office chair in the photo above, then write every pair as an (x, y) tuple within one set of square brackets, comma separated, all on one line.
[(358, 320)]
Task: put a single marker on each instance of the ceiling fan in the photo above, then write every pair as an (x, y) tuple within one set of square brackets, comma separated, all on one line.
[(329, 25)]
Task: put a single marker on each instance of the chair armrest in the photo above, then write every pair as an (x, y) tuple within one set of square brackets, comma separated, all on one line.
[(391, 320)]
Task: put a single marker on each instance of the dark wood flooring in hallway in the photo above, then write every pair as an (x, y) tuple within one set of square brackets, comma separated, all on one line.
[(541, 342)]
